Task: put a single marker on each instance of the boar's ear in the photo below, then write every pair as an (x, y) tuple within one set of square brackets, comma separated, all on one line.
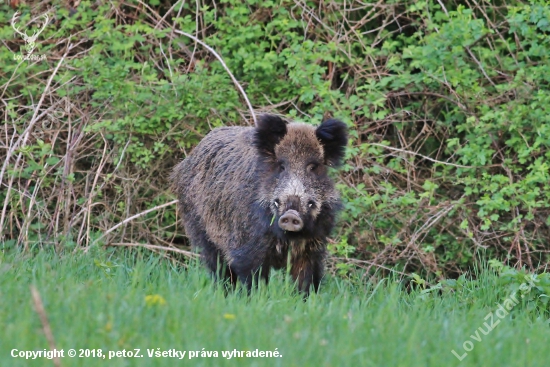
[(333, 135), (269, 132)]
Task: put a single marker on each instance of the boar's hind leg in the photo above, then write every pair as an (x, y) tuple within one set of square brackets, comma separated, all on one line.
[(307, 270), (210, 255), (213, 258)]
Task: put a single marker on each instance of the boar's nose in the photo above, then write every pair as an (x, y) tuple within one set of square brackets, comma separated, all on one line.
[(291, 221)]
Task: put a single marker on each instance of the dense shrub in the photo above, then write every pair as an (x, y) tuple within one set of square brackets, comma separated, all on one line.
[(447, 102)]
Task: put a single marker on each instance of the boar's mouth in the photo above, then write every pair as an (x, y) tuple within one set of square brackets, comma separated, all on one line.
[(290, 221)]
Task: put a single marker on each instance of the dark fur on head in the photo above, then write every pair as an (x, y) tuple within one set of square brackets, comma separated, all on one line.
[(333, 135), (241, 187), (269, 132)]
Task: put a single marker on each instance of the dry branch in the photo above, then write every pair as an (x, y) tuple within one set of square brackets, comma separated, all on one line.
[(189, 254), (134, 217), (235, 81), (39, 308)]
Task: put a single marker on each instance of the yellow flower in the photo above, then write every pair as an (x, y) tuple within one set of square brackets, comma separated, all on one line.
[(154, 299), (229, 316)]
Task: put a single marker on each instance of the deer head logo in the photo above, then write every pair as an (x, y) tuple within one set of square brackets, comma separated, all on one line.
[(30, 40)]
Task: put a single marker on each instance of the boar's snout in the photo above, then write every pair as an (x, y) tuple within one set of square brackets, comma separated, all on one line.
[(291, 221)]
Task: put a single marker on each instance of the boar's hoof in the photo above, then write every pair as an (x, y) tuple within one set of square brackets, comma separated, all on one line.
[(291, 221)]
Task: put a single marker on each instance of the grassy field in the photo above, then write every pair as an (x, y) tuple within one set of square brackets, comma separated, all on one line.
[(117, 303)]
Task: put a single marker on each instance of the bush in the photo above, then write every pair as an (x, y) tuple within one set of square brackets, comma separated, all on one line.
[(447, 104)]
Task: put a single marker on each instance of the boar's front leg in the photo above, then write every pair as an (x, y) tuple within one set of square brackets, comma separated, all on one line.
[(307, 270)]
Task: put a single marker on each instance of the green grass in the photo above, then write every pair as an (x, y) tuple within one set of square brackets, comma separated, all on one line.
[(92, 304)]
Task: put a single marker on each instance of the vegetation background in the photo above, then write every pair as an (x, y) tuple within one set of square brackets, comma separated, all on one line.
[(446, 183), (447, 103)]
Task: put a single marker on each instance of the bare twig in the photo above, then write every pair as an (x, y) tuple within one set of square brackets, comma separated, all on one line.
[(39, 307), (93, 191), (156, 247), (423, 156), (371, 263), (23, 138), (235, 81), (480, 66), (443, 7), (134, 217)]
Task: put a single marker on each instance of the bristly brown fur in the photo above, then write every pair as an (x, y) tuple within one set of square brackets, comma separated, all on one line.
[(239, 179)]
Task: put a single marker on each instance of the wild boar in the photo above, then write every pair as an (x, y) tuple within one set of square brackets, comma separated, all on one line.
[(249, 197)]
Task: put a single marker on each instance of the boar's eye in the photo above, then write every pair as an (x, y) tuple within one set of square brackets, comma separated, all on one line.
[(281, 166), (312, 167)]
